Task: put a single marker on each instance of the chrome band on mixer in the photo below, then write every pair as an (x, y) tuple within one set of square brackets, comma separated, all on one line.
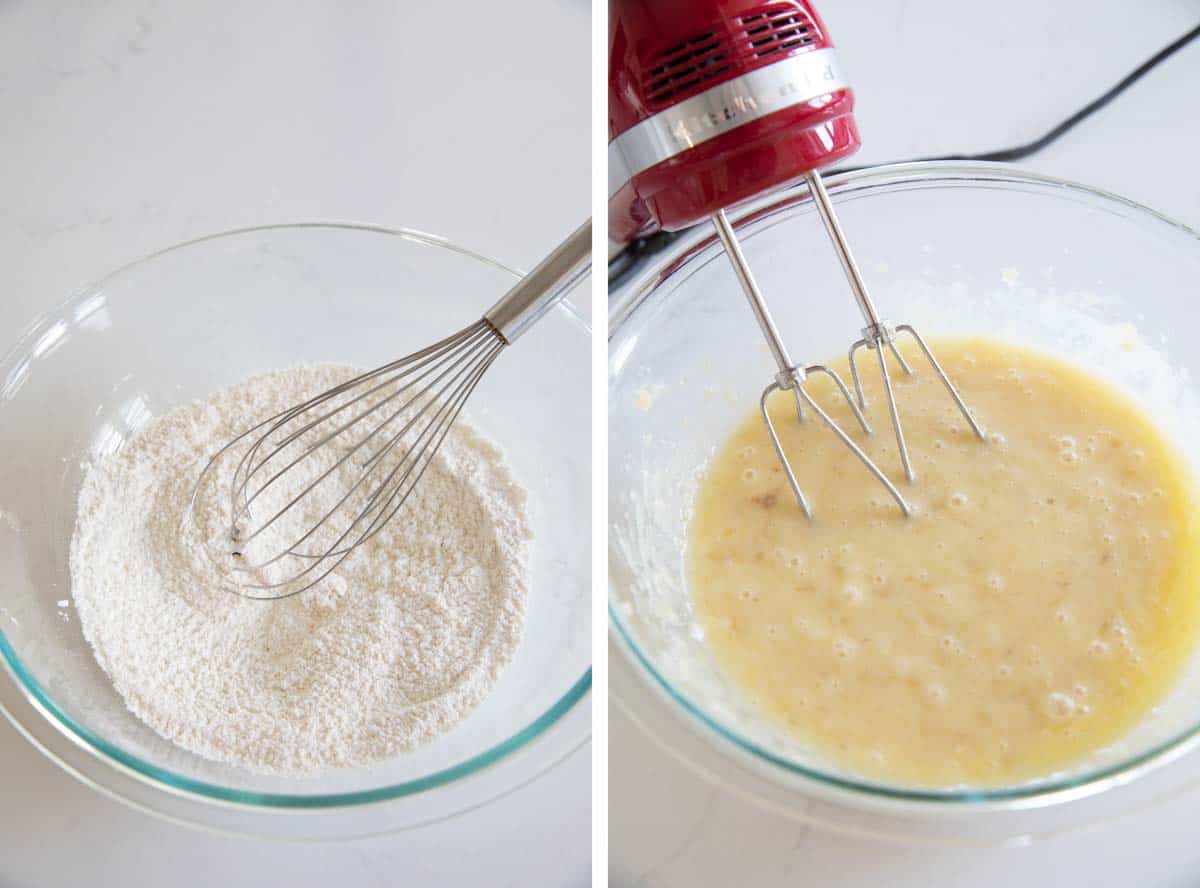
[(721, 109)]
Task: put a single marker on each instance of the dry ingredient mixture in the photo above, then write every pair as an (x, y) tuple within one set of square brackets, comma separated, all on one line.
[(397, 646), (1040, 602)]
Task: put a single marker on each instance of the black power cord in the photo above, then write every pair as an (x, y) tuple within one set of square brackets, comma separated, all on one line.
[(620, 266), (1017, 152)]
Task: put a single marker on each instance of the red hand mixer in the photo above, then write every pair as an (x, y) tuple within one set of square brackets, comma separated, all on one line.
[(714, 102)]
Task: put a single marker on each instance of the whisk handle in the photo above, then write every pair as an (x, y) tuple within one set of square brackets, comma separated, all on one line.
[(533, 296)]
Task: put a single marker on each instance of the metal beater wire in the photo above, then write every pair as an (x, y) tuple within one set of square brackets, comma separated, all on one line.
[(792, 376), (878, 333)]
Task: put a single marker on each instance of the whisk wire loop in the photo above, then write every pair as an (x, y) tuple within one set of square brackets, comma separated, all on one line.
[(240, 502), (454, 369), (398, 415), (398, 489)]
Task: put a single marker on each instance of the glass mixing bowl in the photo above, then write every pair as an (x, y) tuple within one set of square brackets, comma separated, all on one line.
[(184, 322), (950, 248)]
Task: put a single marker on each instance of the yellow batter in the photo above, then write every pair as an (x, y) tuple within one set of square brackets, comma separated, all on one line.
[(1042, 599)]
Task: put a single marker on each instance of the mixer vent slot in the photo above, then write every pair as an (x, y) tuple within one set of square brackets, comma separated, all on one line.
[(687, 65), (778, 28), (743, 44)]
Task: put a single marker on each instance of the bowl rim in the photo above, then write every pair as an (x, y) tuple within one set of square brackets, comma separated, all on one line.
[(874, 180), (213, 793)]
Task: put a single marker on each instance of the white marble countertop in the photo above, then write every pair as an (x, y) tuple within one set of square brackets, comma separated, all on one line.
[(938, 77), (130, 125)]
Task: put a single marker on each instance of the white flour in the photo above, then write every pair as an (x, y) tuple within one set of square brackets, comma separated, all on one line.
[(395, 648)]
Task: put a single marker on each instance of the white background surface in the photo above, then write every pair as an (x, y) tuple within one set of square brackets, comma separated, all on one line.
[(129, 125), (942, 77)]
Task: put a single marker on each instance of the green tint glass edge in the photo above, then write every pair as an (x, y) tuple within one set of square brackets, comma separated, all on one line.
[(210, 791)]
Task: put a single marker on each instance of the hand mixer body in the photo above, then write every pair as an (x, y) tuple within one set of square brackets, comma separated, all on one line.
[(713, 103)]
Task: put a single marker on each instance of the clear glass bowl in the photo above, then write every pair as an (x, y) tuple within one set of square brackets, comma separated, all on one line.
[(952, 249), (178, 325)]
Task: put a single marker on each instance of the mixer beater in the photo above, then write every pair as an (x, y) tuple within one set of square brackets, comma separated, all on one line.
[(713, 103), (791, 376), (878, 333)]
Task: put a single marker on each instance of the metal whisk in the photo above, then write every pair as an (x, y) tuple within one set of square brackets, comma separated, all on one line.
[(368, 440)]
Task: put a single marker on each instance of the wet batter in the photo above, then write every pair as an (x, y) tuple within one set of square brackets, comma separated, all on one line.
[(1041, 600)]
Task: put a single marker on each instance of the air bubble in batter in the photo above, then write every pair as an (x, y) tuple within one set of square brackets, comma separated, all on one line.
[(1059, 706)]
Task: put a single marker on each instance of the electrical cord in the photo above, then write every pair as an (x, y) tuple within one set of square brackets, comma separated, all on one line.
[(1019, 152), (620, 266)]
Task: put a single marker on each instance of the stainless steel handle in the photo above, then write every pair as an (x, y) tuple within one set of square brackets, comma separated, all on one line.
[(534, 295), (833, 227), (753, 295)]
